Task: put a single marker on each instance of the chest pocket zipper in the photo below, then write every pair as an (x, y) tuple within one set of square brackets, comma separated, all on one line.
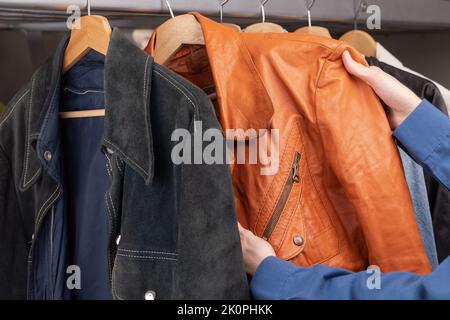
[(293, 178)]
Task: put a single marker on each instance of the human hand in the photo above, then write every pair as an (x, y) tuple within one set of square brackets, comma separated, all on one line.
[(400, 100), (254, 249)]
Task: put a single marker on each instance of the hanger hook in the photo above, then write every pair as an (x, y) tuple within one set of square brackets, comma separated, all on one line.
[(263, 11), (361, 7), (89, 7), (170, 9), (309, 4), (221, 4)]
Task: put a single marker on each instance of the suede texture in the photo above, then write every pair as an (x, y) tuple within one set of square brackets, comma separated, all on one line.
[(177, 223)]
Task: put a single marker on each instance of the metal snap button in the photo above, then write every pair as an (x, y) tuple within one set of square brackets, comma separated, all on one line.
[(298, 240), (118, 240), (47, 155), (150, 295), (110, 151)]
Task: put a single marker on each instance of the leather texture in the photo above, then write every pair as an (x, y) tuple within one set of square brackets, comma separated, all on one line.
[(351, 207), (438, 194)]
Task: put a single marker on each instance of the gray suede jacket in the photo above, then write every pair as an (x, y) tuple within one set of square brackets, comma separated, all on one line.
[(176, 223)]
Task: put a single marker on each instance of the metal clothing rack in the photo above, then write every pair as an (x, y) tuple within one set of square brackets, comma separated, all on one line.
[(396, 15)]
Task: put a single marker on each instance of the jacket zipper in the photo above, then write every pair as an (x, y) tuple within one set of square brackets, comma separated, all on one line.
[(294, 178)]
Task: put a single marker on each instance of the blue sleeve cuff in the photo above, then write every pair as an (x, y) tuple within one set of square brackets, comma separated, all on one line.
[(270, 278), (423, 131)]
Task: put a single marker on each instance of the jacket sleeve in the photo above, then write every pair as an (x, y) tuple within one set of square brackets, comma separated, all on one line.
[(12, 238), (363, 156), (276, 279), (425, 135)]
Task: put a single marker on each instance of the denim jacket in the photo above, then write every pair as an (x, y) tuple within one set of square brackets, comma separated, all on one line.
[(172, 228)]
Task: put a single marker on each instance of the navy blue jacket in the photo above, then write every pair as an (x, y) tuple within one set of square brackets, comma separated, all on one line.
[(425, 135)]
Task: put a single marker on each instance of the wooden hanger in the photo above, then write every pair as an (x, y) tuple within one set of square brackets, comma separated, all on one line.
[(313, 30), (232, 26), (264, 26), (88, 33), (360, 40), (176, 32), (93, 33), (82, 114)]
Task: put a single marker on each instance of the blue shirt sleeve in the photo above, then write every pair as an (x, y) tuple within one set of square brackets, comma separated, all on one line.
[(276, 279), (425, 136)]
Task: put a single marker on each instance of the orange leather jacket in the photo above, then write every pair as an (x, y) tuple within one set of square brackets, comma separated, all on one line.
[(339, 197)]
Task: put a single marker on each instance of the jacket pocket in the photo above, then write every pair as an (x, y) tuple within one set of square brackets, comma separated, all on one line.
[(284, 193), (292, 179), (294, 219), (143, 275)]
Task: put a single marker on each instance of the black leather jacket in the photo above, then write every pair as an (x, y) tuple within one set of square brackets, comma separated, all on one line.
[(177, 220)]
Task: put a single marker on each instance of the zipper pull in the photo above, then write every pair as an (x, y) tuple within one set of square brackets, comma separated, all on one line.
[(295, 175)]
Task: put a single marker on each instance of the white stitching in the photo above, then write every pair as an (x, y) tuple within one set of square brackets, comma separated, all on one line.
[(177, 87), (146, 257), (109, 210), (107, 206), (47, 204), (146, 110), (12, 108), (109, 167), (27, 150), (109, 170), (124, 155), (32, 178), (148, 251), (83, 92), (27, 145), (145, 77), (111, 218), (112, 204), (44, 125), (110, 268), (118, 164), (114, 287), (167, 77), (145, 82)]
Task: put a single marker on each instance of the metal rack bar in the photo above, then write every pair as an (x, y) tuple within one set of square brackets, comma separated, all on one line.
[(417, 14)]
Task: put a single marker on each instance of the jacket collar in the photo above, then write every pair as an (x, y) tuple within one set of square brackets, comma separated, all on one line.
[(128, 73), (234, 73)]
